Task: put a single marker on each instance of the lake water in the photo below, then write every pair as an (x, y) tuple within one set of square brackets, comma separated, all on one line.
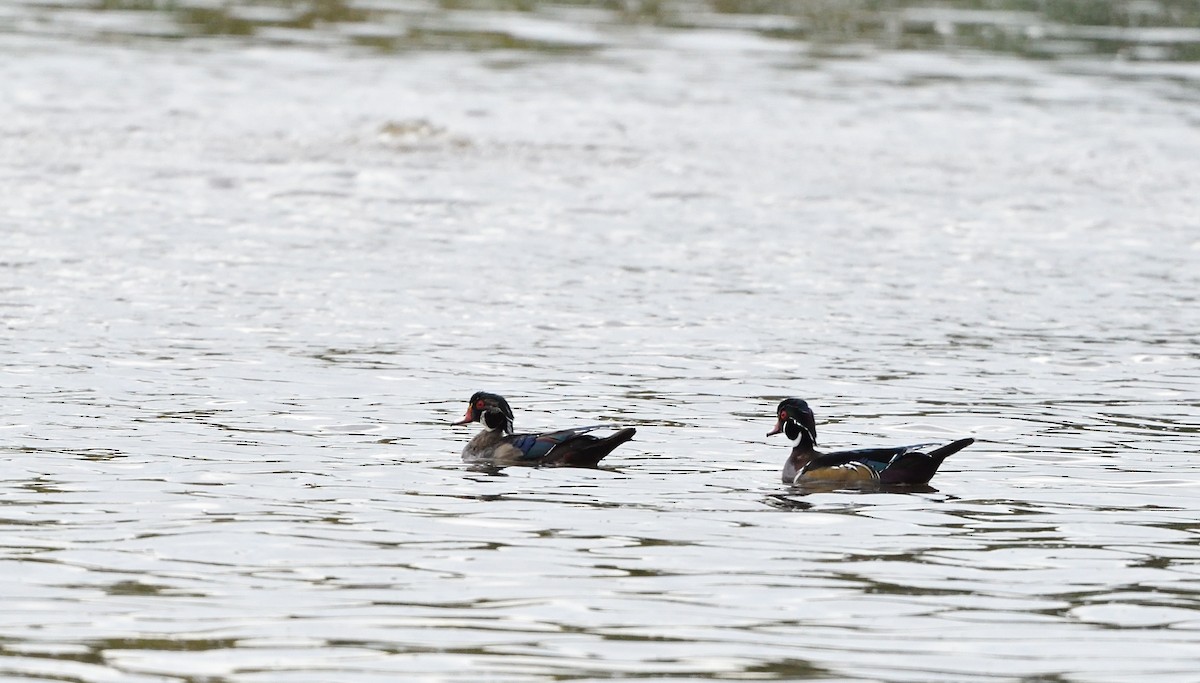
[(256, 257)]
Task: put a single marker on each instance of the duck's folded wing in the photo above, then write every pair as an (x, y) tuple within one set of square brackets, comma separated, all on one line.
[(536, 447), (876, 458)]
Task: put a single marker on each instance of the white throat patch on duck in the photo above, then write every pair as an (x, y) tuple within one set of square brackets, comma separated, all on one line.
[(495, 419), (799, 435)]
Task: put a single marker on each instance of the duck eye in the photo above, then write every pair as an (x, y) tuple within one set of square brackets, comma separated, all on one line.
[(479, 405), (783, 415)]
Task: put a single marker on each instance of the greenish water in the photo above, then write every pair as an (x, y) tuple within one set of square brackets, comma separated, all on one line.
[(1128, 29)]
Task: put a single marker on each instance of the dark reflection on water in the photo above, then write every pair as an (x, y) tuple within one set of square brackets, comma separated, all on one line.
[(1159, 30)]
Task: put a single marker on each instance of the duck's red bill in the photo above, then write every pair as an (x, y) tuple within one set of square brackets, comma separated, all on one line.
[(468, 418), (778, 428)]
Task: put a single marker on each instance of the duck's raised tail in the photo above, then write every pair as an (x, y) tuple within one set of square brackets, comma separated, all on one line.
[(940, 454), (918, 467), (588, 450)]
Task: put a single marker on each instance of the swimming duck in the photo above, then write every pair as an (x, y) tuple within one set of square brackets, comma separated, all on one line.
[(498, 445), (900, 465)]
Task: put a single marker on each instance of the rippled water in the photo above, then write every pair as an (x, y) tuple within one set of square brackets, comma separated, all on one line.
[(247, 281)]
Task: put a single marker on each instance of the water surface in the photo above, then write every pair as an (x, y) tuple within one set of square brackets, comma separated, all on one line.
[(250, 273)]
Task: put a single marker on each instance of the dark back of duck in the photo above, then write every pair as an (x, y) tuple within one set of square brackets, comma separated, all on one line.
[(587, 450), (919, 468)]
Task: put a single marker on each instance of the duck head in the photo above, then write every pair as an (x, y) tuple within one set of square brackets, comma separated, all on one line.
[(489, 409), (796, 421)]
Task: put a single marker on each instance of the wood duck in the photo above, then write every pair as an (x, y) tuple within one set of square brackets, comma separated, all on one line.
[(889, 466), (498, 445)]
